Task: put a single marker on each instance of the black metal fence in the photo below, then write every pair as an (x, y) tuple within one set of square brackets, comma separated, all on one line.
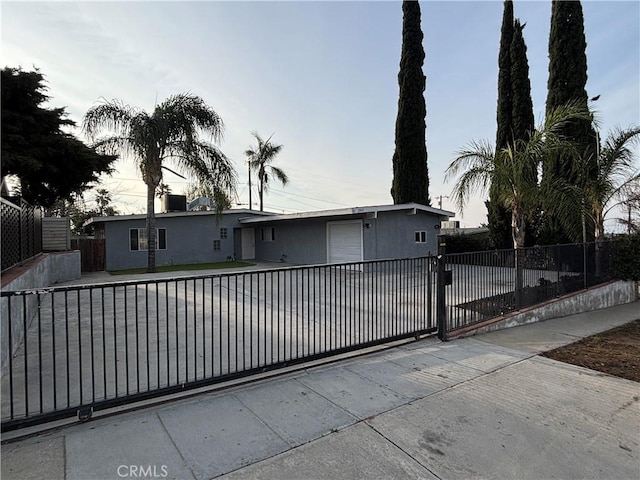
[(493, 283), (21, 231), (97, 346)]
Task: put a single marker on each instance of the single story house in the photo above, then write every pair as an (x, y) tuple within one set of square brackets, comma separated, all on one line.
[(316, 237), (348, 234), (181, 237)]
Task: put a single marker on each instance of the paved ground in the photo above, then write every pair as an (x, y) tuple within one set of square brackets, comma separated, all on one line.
[(93, 343), (481, 407)]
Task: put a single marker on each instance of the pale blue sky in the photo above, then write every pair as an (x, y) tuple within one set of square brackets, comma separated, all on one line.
[(321, 76)]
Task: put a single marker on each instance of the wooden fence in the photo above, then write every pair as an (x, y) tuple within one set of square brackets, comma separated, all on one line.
[(92, 253)]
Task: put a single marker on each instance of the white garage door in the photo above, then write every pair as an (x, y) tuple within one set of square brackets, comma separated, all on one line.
[(344, 241)]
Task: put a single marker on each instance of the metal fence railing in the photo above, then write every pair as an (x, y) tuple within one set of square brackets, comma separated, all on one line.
[(21, 231), (66, 349), (492, 283), (96, 346)]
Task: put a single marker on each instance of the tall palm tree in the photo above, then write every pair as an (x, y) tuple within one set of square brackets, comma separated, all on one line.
[(171, 133), (512, 170), (260, 159), (616, 170), (601, 185)]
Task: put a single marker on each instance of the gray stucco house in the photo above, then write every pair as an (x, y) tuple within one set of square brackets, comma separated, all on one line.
[(327, 236), (348, 234)]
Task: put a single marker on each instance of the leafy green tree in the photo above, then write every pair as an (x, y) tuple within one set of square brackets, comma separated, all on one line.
[(171, 133), (103, 201), (410, 172), (567, 83), (221, 200), (260, 160), (51, 165), (508, 170)]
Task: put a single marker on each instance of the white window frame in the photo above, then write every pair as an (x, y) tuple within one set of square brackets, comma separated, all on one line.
[(420, 236), (268, 234), (142, 235)]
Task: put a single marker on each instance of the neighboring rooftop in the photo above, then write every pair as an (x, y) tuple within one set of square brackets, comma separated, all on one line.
[(341, 212)]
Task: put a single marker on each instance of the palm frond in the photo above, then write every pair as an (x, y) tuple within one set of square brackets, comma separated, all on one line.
[(113, 115), (185, 116), (478, 154), (475, 180), (280, 175)]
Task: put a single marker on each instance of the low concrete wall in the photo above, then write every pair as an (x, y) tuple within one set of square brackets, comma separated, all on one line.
[(42, 272), (603, 296)]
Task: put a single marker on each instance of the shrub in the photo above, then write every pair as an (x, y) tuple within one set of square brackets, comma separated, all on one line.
[(626, 257)]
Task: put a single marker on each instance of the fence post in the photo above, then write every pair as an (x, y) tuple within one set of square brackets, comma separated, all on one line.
[(584, 263), (441, 308)]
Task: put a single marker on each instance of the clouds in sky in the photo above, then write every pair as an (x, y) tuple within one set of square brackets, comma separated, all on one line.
[(321, 76)]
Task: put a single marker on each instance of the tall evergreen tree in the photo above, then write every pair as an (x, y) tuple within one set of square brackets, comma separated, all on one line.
[(522, 118), (566, 83), (410, 174), (505, 104), (52, 165), (498, 216)]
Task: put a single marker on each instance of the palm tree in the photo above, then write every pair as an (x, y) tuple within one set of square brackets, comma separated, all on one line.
[(602, 185), (616, 171), (513, 169), (170, 133), (260, 158)]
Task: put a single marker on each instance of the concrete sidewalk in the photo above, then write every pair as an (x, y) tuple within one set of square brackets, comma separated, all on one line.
[(478, 407)]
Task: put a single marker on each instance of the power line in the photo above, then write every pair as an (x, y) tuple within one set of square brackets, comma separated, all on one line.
[(310, 198), (294, 200)]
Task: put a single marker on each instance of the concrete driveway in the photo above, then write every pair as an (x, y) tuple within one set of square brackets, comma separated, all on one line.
[(481, 407)]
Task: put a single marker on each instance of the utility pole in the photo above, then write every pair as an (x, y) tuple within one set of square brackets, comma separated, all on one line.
[(249, 169), (440, 200)]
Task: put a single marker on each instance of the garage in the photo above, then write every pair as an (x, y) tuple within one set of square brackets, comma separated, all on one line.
[(344, 241)]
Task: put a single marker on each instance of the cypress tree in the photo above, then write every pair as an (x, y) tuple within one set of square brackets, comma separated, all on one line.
[(410, 174), (522, 118), (505, 105), (566, 83), (499, 217)]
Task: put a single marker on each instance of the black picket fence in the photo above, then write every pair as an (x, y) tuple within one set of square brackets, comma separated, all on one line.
[(21, 231)]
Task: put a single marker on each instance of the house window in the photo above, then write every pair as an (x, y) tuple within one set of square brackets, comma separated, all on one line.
[(268, 234), (216, 244), (421, 236), (138, 239), (223, 233)]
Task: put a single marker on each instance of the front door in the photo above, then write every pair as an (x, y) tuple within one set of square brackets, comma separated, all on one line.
[(248, 243)]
